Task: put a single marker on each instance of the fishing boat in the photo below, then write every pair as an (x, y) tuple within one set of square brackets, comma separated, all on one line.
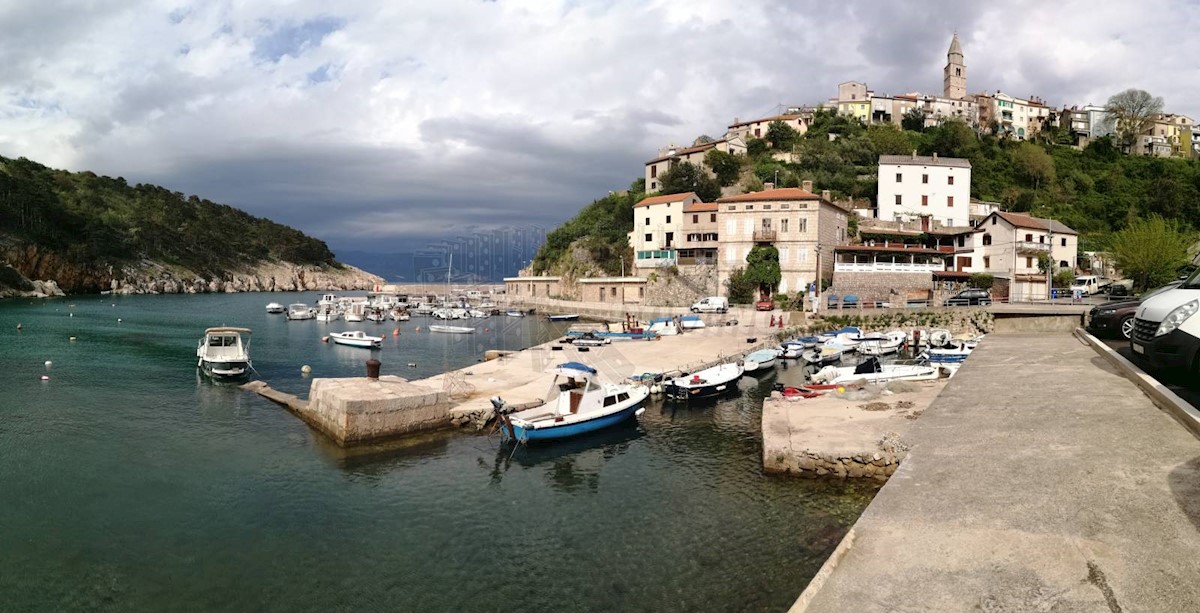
[(954, 352), (328, 313), (791, 350), (451, 329), (691, 322), (399, 314), (567, 317), (376, 314), (589, 339), (576, 404), (705, 383), (827, 353), (355, 313), (872, 371), (275, 308), (760, 361), (222, 354), (357, 338), (890, 343), (477, 314), (833, 334), (299, 311), (616, 336)]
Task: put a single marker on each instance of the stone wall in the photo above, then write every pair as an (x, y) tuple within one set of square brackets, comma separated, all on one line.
[(681, 287), (357, 410), (893, 287), (877, 465), (958, 320)]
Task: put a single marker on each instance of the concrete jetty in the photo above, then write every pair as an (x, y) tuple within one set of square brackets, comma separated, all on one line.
[(1040, 479), (855, 433)]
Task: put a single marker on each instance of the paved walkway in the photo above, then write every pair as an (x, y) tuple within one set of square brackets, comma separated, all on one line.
[(1039, 480)]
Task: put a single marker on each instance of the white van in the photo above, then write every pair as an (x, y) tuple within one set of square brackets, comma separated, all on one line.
[(1166, 328), (1086, 285), (711, 304)]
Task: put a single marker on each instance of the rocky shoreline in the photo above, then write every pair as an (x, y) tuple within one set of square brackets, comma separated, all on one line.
[(156, 278)]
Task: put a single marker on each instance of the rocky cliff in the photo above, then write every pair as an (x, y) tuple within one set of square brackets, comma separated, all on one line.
[(36, 272)]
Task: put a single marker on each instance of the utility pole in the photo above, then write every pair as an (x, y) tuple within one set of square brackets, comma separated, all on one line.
[(1050, 268)]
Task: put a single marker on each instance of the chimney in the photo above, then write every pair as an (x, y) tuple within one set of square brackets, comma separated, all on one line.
[(935, 156), (826, 195), (768, 186), (914, 154), (807, 186)]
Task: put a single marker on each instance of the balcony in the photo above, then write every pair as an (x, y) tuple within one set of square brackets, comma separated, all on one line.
[(879, 266), (763, 235), (1029, 248), (656, 259)]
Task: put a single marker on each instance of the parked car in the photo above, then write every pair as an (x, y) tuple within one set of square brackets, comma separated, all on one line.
[(970, 297), (1166, 330), (1116, 318), (711, 304), (764, 305)]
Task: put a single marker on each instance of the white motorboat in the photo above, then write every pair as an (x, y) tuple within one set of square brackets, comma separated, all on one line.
[(399, 314), (706, 383), (514, 313), (451, 329), (222, 354), (353, 316), (477, 314), (459, 313), (327, 314), (328, 300), (299, 311), (275, 308), (890, 343), (376, 314), (576, 404), (871, 371), (566, 317), (827, 353), (422, 308), (790, 350), (760, 361), (357, 338), (590, 339)]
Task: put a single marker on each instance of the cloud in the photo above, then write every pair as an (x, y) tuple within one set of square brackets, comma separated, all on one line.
[(388, 124)]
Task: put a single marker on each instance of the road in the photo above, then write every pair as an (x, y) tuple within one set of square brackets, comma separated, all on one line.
[(1177, 382)]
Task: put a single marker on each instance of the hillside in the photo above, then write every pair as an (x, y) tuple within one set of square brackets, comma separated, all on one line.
[(1096, 191), (86, 232)]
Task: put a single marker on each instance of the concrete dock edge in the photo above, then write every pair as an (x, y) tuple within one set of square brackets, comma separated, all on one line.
[(818, 580), (1168, 401)]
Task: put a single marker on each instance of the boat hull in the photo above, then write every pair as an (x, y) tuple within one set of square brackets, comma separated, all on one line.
[(225, 371), (684, 394), (525, 435)]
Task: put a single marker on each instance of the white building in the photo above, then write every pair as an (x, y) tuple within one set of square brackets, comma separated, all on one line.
[(1008, 246), (916, 186), (670, 156), (658, 229)]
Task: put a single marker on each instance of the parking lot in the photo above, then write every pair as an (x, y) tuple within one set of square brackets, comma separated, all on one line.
[(1177, 382)]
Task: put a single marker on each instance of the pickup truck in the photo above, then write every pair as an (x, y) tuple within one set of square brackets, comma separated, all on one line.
[(1089, 284)]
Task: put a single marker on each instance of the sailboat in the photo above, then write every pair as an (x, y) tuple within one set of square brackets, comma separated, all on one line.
[(450, 329)]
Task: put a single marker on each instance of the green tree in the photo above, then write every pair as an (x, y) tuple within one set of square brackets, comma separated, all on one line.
[(953, 138), (1064, 278), (781, 136), (887, 139), (1151, 251), (687, 177), (1034, 163), (914, 120), (740, 289), (982, 280), (725, 165), (762, 268), (1129, 114), (757, 148)]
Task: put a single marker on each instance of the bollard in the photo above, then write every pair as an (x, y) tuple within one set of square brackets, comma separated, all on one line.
[(373, 368)]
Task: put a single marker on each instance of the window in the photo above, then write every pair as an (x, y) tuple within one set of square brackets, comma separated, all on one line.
[(950, 201), (670, 239), (668, 217), (1028, 262), (898, 203), (962, 241), (783, 254), (749, 207), (993, 221), (924, 200), (924, 178), (766, 207), (950, 180), (1064, 242), (647, 221), (987, 239), (653, 185), (649, 237), (766, 223), (898, 178), (1029, 238), (695, 219), (613, 292), (987, 261), (841, 235), (712, 217), (757, 133), (802, 225), (654, 171), (949, 222), (641, 292), (802, 255), (783, 225), (1041, 239)]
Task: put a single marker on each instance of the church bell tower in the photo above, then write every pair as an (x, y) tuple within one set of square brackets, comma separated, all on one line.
[(954, 81)]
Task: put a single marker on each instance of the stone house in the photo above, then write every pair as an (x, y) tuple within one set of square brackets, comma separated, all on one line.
[(757, 128), (668, 157), (924, 187), (1008, 246), (623, 290), (800, 224), (532, 287), (701, 237)]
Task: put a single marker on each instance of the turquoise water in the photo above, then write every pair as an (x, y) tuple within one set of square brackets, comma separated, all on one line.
[(130, 484)]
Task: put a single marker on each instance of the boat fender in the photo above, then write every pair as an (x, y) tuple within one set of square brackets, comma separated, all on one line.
[(396, 332), (324, 339), (638, 413)]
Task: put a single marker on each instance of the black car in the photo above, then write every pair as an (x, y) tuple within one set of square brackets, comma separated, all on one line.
[(1116, 318), (970, 297)]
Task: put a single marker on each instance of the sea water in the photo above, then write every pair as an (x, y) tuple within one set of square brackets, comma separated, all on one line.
[(130, 483)]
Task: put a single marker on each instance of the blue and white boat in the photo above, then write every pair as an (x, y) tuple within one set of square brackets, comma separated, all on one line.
[(795, 348), (954, 352), (578, 404), (848, 331), (616, 336)]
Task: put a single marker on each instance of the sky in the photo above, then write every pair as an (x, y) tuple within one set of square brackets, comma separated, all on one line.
[(384, 126)]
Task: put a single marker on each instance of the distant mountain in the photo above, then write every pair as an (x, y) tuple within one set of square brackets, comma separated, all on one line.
[(91, 233)]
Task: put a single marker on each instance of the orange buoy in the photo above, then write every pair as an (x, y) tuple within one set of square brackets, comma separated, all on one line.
[(324, 339), (396, 332), (418, 329)]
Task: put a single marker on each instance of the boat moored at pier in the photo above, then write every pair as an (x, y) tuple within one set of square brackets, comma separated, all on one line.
[(705, 383), (223, 354), (577, 404)]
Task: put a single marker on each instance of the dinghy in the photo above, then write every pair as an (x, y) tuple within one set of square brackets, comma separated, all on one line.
[(871, 371)]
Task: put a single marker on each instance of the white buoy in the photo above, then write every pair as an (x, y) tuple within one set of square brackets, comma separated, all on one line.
[(45, 377), (49, 363), (306, 369), (72, 339), (72, 315), (118, 320)]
